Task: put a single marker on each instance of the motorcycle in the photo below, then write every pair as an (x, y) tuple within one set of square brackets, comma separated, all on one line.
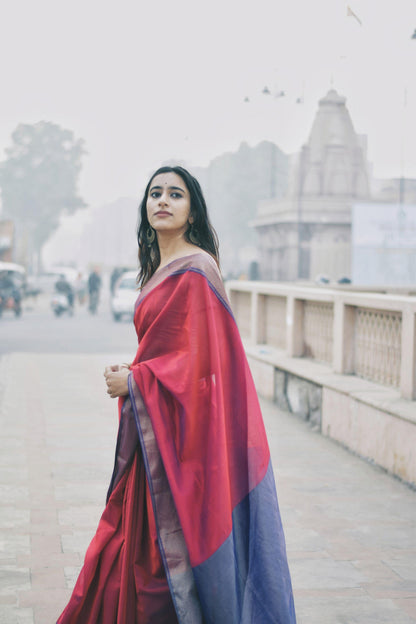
[(60, 304)]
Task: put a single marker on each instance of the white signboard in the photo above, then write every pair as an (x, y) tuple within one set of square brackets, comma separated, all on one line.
[(383, 244)]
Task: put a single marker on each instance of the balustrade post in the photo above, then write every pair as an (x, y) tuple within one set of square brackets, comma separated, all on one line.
[(262, 330), (254, 308), (294, 326), (230, 294), (408, 355), (344, 321)]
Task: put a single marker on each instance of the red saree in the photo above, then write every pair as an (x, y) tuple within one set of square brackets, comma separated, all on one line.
[(191, 532)]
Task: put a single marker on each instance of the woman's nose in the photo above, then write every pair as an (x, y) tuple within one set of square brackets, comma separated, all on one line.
[(163, 199)]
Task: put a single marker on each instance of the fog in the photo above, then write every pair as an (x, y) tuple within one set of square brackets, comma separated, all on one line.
[(145, 82)]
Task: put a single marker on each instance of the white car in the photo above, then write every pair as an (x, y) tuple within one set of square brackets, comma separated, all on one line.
[(125, 295)]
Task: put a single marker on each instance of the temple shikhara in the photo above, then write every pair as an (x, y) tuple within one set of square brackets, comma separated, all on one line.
[(309, 231)]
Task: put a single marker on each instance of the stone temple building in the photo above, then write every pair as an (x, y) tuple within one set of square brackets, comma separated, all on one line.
[(308, 232), (233, 184)]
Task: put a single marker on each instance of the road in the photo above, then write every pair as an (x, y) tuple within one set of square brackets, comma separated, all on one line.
[(38, 330), (350, 527)]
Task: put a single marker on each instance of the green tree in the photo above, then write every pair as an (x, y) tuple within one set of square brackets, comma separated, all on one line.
[(38, 180)]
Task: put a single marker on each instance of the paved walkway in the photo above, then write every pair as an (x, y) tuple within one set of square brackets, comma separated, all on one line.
[(350, 528)]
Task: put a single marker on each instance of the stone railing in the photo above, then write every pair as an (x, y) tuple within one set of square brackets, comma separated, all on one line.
[(367, 334)]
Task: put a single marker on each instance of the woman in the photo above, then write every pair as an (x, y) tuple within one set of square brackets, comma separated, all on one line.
[(191, 532)]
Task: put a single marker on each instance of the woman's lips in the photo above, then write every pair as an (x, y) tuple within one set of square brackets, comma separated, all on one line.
[(162, 213)]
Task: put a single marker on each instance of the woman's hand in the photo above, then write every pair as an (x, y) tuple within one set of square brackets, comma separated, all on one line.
[(116, 380)]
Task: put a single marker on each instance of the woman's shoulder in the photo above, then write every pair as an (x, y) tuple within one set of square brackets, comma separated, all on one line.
[(202, 258), (185, 268), (201, 262)]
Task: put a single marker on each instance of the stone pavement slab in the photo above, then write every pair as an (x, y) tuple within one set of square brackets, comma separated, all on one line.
[(350, 527)]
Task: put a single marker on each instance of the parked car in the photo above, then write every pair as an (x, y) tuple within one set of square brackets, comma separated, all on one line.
[(322, 279), (125, 295)]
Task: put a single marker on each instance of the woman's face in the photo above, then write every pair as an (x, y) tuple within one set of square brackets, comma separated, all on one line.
[(169, 204)]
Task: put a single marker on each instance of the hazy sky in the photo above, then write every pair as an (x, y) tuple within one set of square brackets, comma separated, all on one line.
[(146, 81)]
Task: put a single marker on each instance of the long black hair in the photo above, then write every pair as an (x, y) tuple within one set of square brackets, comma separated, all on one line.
[(203, 234)]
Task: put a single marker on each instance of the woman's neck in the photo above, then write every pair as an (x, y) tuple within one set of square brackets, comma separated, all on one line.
[(173, 247)]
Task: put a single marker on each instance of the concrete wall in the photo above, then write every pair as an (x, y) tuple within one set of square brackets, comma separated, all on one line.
[(353, 340)]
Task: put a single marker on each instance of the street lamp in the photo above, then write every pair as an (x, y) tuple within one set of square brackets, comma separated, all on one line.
[(402, 180)]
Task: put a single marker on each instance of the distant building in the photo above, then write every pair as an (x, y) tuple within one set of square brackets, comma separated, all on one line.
[(104, 236), (308, 232), (233, 183)]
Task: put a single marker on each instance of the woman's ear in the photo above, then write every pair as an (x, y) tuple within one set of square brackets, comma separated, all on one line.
[(191, 218)]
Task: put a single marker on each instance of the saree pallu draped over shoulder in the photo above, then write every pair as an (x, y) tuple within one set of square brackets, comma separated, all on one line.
[(191, 532)]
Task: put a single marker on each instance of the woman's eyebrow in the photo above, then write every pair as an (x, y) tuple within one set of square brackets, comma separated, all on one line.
[(171, 188)]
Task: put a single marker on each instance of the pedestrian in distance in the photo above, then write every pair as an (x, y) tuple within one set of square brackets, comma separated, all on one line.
[(81, 288), (191, 531), (94, 287)]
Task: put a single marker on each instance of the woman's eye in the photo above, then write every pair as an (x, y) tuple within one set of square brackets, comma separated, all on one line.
[(176, 195), (155, 194)]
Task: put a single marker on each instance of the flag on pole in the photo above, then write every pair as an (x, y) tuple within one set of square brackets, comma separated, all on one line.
[(350, 13)]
